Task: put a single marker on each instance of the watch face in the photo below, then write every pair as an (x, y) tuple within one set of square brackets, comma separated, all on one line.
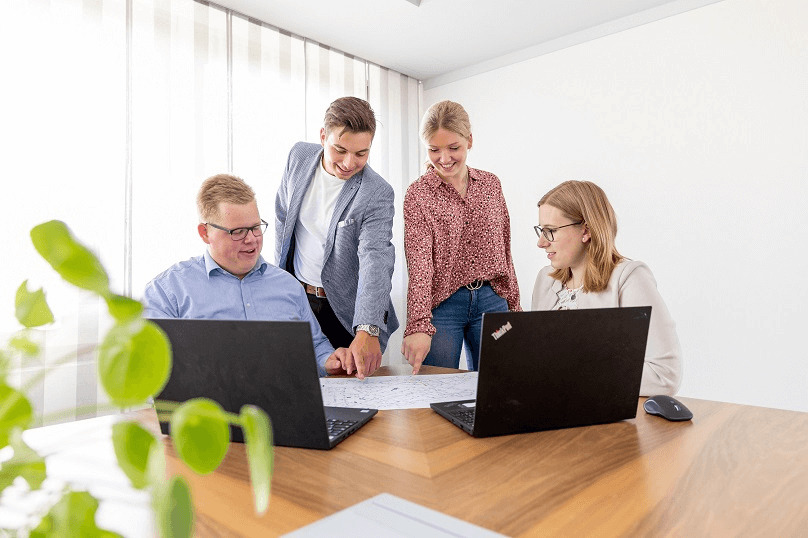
[(372, 330)]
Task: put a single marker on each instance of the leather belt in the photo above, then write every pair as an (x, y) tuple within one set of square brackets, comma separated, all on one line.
[(314, 290), (477, 284)]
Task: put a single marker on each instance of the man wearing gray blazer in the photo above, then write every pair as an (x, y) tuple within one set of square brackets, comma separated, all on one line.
[(333, 231)]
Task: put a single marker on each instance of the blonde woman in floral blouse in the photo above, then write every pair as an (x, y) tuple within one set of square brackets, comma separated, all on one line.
[(457, 241)]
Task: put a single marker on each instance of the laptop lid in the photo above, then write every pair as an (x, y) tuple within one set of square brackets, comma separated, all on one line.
[(554, 369), (270, 364)]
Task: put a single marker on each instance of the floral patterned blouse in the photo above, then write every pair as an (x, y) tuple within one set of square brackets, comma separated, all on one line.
[(451, 241)]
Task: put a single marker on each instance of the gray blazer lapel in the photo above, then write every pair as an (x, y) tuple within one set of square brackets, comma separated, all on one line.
[(347, 194), (299, 192)]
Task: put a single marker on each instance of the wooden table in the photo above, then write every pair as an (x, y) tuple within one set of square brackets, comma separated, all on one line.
[(733, 470)]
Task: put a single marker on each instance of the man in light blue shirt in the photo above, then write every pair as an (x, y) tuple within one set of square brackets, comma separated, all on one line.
[(231, 280)]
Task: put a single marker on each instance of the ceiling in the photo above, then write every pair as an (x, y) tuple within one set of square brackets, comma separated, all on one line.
[(444, 39)]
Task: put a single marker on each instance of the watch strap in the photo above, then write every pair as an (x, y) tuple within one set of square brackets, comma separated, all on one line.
[(372, 330)]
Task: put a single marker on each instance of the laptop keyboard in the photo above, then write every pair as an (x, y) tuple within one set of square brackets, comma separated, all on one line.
[(337, 427), (465, 415)]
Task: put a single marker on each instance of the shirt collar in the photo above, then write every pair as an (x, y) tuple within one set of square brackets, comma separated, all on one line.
[(211, 266)]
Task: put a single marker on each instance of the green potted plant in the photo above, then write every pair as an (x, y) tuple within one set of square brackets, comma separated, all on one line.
[(134, 363)]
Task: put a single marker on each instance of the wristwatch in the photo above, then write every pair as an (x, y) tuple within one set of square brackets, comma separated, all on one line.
[(372, 330)]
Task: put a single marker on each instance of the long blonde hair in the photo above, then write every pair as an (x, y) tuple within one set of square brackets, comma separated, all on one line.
[(585, 201)]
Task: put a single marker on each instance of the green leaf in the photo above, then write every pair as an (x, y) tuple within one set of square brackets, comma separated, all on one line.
[(133, 444), (72, 260), (174, 510), (15, 412), (123, 308), (73, 515), (134, 362), (260, 453), (5, 364), (31, 308), (25, 463), (201, 434), (24, 344)]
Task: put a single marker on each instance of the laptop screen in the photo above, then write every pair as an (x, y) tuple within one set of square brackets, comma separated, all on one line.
[(270, 364), (558, 369)]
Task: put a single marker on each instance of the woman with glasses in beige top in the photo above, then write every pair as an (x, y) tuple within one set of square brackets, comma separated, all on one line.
[(577, 229)]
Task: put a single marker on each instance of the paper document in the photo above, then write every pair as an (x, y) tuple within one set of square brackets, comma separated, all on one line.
[(398, 392), (388, 515)]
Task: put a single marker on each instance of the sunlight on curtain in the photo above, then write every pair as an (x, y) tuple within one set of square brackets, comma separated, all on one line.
[(395, 155), (201, 90), (63, 152), (269, 103), (329, 75), (179, 127)]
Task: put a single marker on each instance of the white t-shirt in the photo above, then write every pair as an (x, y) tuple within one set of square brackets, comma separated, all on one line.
[(312, 225)]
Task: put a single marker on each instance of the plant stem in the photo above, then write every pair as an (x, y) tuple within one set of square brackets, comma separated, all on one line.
[(56, 415), (164, 409), (48, 368)]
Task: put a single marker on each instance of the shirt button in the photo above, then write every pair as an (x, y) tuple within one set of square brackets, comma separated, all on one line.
[(248, 304)]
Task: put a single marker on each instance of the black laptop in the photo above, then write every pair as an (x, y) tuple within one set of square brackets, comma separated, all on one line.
[(554, 369), (269, 364)]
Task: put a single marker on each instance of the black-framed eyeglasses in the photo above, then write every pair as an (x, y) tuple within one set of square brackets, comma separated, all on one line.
[(548, 232), (237, 234)]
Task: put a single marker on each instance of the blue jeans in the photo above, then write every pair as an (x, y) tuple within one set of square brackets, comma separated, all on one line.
[(457, 319)]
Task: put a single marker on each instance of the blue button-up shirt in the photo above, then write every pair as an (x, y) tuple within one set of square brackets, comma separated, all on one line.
[(199, 288)]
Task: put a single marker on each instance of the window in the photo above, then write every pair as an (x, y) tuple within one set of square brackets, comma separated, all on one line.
[(113, 135)]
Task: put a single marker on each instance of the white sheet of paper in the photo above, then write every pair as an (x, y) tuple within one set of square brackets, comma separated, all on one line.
[(398, 392), (388, 515)]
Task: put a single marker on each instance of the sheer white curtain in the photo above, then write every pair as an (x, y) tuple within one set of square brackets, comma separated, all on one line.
[(62, 149), (113, 114), (396, 155), (329, 75), (269, 107), (179, 122)]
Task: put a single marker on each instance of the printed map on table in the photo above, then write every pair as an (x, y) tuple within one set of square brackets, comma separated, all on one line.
[(398, 392)]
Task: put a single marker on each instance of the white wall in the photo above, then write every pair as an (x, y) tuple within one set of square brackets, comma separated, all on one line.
[(697, 128)]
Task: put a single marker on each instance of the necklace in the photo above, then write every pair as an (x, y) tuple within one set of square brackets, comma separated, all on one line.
[(464, 185), (573, 292)]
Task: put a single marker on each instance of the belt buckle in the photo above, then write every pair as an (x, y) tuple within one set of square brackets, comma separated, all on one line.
[(477, 284), (313, 290)]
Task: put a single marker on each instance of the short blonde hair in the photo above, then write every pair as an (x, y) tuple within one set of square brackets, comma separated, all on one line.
[(221, 188), (586, 202)]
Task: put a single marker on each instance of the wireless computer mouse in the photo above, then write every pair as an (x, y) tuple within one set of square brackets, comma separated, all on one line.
[(667, 407)]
